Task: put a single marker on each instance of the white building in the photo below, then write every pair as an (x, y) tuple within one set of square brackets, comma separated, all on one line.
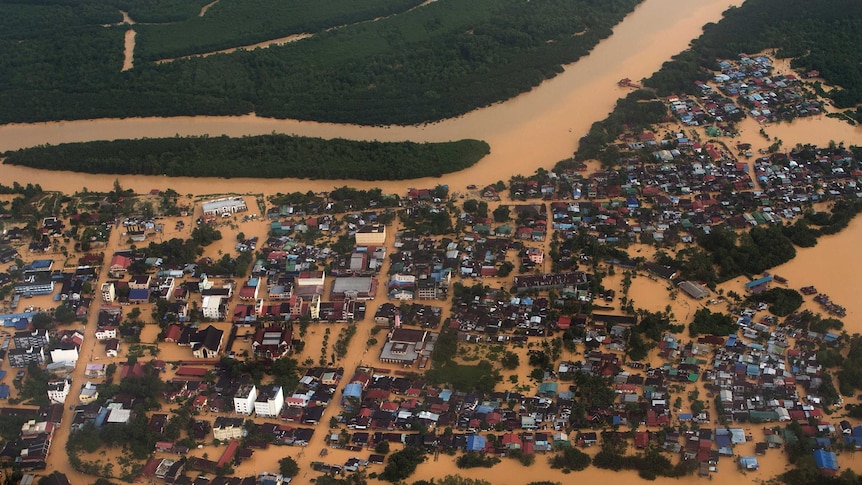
[(269, 401), (58, 390), (65, 355), (244, 399), (211, 307), (105, 333), (109, 292), (227, 205)]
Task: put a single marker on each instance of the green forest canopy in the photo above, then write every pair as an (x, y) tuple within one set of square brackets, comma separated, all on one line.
[(61, 61), (267, 156)]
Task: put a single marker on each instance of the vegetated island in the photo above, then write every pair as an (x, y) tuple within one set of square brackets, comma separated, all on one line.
[(438, 61), (266, 156)]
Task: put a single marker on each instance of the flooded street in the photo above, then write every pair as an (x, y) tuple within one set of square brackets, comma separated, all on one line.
[(534, 130)]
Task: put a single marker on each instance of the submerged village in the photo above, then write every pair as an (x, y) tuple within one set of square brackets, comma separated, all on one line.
[(352, 335)]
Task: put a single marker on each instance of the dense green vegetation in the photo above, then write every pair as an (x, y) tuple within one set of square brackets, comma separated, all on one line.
[(570, 459), (268, 156), (402, 464), (824, 36), (637, 110), (649, 465), (480, 377), (232, 23), (438, 61), (471, 459), (782, 301), (850, 375), (708, 323), (748, 253)]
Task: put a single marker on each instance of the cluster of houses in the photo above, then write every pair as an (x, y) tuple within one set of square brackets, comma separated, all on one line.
[(686, 187), (421, 268), (30, 450), (766, 95), (666, 190), (57, 351)]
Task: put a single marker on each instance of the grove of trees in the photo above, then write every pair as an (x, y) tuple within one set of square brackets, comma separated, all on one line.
[(268, 156)]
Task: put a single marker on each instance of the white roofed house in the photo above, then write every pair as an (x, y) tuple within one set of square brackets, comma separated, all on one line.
[(65, 354), (226, 205), (58, 390), (213, 308), (67, 349)]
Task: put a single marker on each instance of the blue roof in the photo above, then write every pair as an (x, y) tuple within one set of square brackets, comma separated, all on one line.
[(823, 442), (13, 319), (684, 416), (475, 443), (826, 459), (139, 294), (484, 409), (4, 391), (759, 281), (748, 462), (39, 264), (103, 415), (353, 390), (445, 395)]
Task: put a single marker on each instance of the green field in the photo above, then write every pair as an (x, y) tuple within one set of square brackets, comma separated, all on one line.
[(436, 61), (268, 156)]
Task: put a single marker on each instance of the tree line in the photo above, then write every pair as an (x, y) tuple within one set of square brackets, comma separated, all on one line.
[(434, 62), (268, 156)]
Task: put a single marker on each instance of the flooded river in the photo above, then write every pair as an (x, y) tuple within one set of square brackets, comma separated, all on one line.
[(533, 130)]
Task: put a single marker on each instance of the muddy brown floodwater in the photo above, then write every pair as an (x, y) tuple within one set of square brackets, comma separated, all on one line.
[(129, 50), (533, 130)]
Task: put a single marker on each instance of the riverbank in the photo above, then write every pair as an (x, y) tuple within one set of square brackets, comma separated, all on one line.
[(532, 131)]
